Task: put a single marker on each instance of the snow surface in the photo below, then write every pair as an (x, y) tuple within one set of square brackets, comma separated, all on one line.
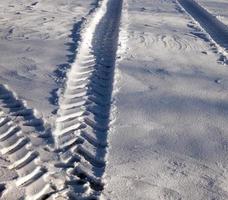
[(169, 140), (167, 136), (218, 8)]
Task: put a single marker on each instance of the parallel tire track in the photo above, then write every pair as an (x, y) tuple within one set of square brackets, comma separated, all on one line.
[(83, 118), (81, 127)]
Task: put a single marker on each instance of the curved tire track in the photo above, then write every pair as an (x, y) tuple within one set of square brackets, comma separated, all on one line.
[(83, 118)]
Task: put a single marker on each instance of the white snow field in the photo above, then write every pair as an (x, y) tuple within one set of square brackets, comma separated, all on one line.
[(113, 100)]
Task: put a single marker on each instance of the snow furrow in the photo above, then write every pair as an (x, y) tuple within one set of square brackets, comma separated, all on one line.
[(84, 114)]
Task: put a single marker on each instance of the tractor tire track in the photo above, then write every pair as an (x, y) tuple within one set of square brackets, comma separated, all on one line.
[(17, 110), (84, 115), (25, 158)]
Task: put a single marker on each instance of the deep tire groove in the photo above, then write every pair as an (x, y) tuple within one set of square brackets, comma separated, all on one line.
[(84, 115)]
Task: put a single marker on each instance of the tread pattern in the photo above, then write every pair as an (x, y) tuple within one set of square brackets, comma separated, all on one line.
[(17, 147), (74, 168), (84, 115)]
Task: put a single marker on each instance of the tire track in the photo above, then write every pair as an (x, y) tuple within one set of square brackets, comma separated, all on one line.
[(25, 141), (211, 25), (17, 110), (25, 158), (83, 118)]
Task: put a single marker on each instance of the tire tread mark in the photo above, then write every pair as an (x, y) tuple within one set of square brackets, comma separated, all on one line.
[(22, 156), (83, 118)]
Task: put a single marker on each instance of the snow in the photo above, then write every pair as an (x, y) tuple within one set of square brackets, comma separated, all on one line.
[(37, 45), (217, 8), (169, 140), (133, 110)]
